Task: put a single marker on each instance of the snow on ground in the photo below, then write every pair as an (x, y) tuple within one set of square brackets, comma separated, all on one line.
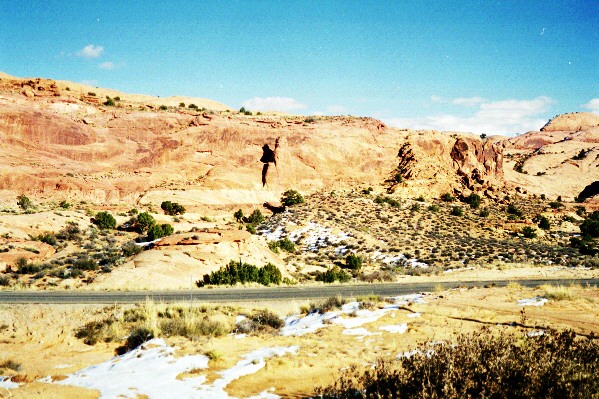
[(6, 383), (397, 259), (395, 328), (313, 236), (359, 332), (297, 325), (536, 301), (151, 370), (535, 333)]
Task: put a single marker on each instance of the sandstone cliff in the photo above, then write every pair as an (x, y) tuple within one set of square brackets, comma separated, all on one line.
[(60, 141)]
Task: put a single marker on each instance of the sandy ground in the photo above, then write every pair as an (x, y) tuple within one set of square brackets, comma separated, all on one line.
[(41, 338)]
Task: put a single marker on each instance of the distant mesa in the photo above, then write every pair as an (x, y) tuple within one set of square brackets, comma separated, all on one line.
[(571, 122)]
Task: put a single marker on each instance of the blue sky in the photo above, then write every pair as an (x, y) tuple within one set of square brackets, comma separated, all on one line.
[(483, 66)]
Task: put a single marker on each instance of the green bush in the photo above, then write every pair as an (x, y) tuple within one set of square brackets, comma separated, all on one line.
[(163, 108), (238, 215), (48, 238), (255, 218), (473, 200), (4, 281), (528, 232), (484, 213), (64, 204), (333, 274), (240, 272), (353, 262), (104, 220), (24, 202), (556, 205), (130, 249), (447, 197), (291, 197), (514, 210), (483, 364), (172, 208), (388, 200), (457, 211), (544, 223), (70, 232), (145, 221), (287, 245), (159, 230), (192, 106), (434, 208), (109, 102)]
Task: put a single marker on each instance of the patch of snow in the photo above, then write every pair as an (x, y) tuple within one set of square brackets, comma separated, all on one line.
[(297, 325), (408, 354), (536, 301), (239, 336), (63, 366), (151, 370), (360, 332), (6, 383), (395, 328), (535, 333), (412, 315)]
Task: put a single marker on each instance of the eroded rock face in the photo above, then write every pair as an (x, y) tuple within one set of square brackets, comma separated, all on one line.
[(451, 163)]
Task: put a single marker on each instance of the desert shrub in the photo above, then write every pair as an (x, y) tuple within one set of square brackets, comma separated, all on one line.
[(251, 229), (130, 249), (388, 200), (192, 106), (544, 223), (85, 263), (528, 232), (48, 238), (11, 365), (285, 244), (104, 220), (260, 321), (456, 211), (447, 197), (581, 210), (333, 274), (353, 262), (4, 281), (137, 337), (24, 202), (473, 200), (240, 272), (590, 226), (556, 205), (109, 102), (172, 208), (95, 331), (163, 107), (91, 93), (484, 213), (144, 221), (64, 204), (160, 230), (415, 207), (481, 365), (514, 210), (291, 197), (238, 215), (434, 208), (255, 218), (69, 232), (326, 305)]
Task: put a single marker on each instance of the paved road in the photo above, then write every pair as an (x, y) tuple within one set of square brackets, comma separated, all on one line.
[(223, 295)]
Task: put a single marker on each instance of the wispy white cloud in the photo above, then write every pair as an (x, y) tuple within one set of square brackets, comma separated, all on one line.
[(469, 101), (505, 117), (91, 51), (592, 106), (109, 65), (273, 104), (436, 99)]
